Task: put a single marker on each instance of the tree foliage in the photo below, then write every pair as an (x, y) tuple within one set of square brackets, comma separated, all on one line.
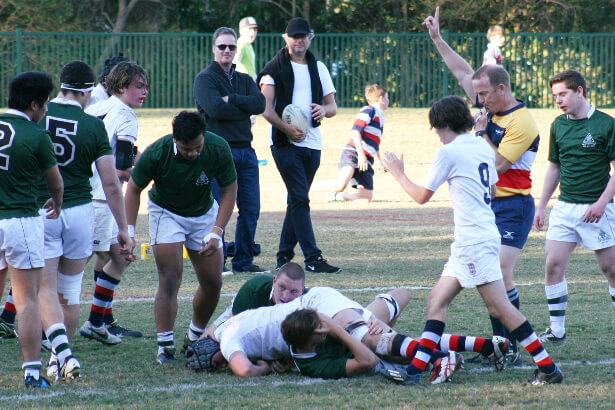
[(334, 16)]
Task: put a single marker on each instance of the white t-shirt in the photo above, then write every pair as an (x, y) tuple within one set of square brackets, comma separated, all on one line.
[(258, 332), (468, 165), (302, 96), (121, 124), (98, 94)]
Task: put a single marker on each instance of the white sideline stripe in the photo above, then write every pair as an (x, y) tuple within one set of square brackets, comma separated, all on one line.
[(206, 385), (171, 388), (356, 290)]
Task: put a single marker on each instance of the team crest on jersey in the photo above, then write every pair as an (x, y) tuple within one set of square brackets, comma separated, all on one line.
[(472, 269), (603, 237), (588, 141), (202, 179)]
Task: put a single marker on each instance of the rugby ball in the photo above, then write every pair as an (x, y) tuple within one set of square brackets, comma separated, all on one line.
[(293, 115)]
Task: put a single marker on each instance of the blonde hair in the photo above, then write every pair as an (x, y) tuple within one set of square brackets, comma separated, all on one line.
[(373, 92), (495, 30)]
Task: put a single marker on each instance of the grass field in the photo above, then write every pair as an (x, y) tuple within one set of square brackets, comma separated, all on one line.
[(388, 243)]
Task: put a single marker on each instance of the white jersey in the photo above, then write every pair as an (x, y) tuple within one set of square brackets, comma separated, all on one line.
[(121, 124), (468, 165), (98, 94), (302, 96), (258, 332)]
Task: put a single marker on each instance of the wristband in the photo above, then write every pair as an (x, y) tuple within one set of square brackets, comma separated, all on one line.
[(221, 230), (212, 235), (481, 133), (131, 231)]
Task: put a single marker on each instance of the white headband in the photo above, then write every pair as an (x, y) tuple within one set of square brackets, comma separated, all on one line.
[(73, 88)]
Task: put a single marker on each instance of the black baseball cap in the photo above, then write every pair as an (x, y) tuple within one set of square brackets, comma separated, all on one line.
[(298, 26)]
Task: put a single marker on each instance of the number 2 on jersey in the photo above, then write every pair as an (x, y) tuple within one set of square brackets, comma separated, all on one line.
[(6, 140), (483, 171)]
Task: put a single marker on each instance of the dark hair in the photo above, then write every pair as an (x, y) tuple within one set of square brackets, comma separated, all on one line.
[(293, 270), (497, 75), (222, 31), (123, 75), (572, 78), (299, 326), (188, 125), (109, 64), (452, 112), (77, 74), (27, 87)]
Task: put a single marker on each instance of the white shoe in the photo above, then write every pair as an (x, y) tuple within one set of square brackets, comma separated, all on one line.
[(70, 370), (52, 368), (445, 367), (501, 345), (89, 331)]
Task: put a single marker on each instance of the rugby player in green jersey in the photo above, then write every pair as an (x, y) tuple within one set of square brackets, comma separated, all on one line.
[(182, 211), (79, 140), (26, 152)]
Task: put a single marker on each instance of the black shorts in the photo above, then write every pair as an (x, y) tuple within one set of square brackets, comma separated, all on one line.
[(365, 178)]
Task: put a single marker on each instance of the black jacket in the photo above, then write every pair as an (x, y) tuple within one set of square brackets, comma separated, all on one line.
[(230, 120), (280, 68)]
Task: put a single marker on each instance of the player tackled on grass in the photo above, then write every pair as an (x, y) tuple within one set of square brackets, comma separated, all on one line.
[(581, 152), (26, 153), (79, 140), (512, 131), (182, 211), (127, 83), (252, 343), (467, 163)]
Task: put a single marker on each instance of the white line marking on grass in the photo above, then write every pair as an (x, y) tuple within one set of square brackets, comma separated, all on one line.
[(356, 290), (262, 383), (167, 388)]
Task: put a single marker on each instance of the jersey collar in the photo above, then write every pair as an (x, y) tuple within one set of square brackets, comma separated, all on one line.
[(301, 355), (13, 111), (590, 112), (65, 101)]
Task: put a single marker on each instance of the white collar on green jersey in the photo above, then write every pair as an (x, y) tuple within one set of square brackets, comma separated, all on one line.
[(18, 113), (65, 101), (302, 355)]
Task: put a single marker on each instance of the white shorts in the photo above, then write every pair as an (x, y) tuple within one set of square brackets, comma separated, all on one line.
[(328, 301), (22, 243), (168, 227), (105, 228), (474, 265), (566, 225), (70, 235)]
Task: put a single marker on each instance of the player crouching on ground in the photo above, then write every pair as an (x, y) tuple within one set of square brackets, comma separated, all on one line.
[(358, 155), (182, 211), (467, 163)]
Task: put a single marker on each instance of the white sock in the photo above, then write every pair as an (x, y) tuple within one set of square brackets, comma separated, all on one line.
[(557, 300)]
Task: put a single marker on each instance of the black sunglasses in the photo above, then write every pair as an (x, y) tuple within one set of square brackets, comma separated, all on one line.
[(223, 47)]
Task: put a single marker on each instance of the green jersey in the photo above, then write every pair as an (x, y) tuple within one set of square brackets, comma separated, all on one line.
[(255, 293), (25, 151), (328, 362), (245, 58), (584, 150), (182, 186), (79, 139)]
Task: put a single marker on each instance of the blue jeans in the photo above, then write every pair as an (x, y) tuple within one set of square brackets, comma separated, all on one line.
[(248, 204), (297, 166)]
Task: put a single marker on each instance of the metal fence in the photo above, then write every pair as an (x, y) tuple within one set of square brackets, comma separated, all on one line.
[(406, 64)]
